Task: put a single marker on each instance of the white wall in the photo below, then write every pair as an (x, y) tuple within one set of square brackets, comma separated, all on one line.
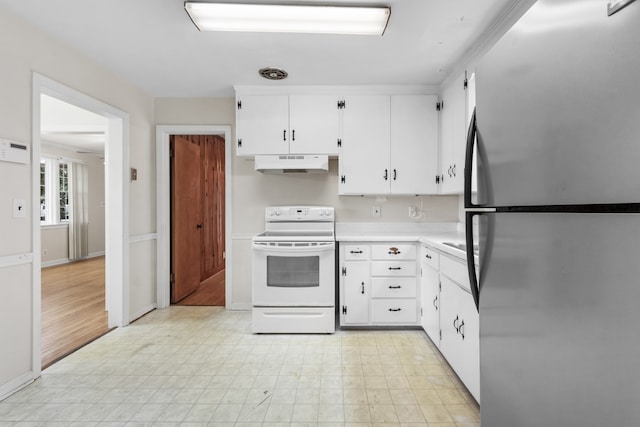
[(253, 191), (25, 51)]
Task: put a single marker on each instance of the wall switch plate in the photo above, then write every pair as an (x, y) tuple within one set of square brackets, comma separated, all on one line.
[(376, 211), (19, 208)]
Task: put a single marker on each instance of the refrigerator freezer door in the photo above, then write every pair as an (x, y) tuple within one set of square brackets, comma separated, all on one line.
[(558, 106), (558, 321)]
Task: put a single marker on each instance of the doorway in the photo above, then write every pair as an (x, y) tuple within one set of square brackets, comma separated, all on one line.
[(72, 204), (197, 220), (116, 207), (163, 136)]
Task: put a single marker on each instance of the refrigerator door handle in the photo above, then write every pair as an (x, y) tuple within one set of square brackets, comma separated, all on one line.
[(471, 264), (468, 160)]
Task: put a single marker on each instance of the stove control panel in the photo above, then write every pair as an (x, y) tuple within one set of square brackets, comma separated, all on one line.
[(299, 213)]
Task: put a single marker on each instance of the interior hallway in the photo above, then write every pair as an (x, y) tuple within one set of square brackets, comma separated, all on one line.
[(73, 307), (203, 365)]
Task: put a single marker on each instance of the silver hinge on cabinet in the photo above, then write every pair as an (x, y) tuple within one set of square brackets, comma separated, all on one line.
[(339, 142), (343, 179), (172, 278), (239, 105), (439, 105), (344, 309), (420, 311), (240, 143), (344, 271), (440, 334), (342, 104), (171, 153), (465, 83)]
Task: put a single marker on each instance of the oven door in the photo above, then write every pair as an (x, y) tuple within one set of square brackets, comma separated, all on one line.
[(293, 274)]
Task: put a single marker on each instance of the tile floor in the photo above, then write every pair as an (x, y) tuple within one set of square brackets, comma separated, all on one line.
[(202, 366)]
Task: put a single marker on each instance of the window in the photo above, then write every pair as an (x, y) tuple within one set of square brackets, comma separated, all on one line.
[(54, 191)]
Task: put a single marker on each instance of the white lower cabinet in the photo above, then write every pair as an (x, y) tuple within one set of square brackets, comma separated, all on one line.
[(378, 284), (449, 315), (430, 292)]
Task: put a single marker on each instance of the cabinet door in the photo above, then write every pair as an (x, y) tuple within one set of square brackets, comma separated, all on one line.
[(430, 292), (453, 137), (364, 151), (414, 144), (262, 125), (355, 291), (313, 122), (460, 342)]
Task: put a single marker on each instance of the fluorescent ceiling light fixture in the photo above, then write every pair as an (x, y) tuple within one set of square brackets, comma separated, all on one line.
[(273, 18)]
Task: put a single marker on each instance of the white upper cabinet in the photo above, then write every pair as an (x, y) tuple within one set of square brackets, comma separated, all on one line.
[(364, 147), (453, 122), (313, 122), (262, 123), (389, 145), (414, 148), (282, 124)]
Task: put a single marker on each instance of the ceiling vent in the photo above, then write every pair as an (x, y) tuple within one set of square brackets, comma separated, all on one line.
[(273, 73)]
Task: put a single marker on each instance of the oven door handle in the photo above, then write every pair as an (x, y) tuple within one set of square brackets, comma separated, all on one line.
[(294, 247)]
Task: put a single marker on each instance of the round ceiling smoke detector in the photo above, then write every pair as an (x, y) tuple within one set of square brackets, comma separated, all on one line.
[(273, 73)]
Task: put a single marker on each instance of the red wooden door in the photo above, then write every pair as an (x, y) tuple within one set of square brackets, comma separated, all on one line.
[(186, 217)]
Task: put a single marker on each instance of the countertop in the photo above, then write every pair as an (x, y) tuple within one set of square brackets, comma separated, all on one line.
[(432, 234)]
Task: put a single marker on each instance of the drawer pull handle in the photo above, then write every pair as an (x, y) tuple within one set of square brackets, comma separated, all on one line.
[(435, 300), (395, 309), (461, 329), (394, 251), (428, 256), (456, 320), (362, 288), (355, 252), (395, 287), (395, 268)]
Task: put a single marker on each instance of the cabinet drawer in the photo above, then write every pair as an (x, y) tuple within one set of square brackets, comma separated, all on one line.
[(355, 252), (430, 257), (393, 268), (394, 311), (455, 270), (393, 251), (389, 287)]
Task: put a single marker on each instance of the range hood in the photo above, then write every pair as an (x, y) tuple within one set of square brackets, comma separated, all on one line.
[(292, 163)]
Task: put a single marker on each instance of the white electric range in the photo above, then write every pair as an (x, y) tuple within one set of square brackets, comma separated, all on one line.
[(293, 272)]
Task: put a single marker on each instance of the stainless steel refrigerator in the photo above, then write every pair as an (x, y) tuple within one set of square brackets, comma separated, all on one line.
[(557, 216)]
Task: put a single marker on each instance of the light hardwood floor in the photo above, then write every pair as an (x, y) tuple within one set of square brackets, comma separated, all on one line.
[(73, 307), (210, 292)]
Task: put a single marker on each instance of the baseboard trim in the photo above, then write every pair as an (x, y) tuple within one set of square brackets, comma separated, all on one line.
[(17, 384), (240, 306)]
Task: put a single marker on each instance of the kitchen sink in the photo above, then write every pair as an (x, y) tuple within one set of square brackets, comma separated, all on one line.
[(461, 246)]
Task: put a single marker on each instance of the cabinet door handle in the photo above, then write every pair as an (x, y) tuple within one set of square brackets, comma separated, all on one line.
[(395, 287), (394, 252), (435, 300), (395, 268), (293, 135), (386, 174), (454, 170), (284, 135), (428, 256), (395, 309), (461, 328), (456, 320), (362, 288), (395, 174), (355, 252), (449, 171)]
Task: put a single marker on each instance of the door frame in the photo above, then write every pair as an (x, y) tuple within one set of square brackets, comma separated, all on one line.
[(163, 205), (116, 202)]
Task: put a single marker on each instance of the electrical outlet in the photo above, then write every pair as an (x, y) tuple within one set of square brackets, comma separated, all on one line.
[(376, 211), (413, 211)]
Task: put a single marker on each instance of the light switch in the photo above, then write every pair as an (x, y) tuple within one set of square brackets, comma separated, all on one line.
[(19, 208)]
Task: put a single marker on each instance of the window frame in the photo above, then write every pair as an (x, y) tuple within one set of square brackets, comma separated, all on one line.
[(52, 193)]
